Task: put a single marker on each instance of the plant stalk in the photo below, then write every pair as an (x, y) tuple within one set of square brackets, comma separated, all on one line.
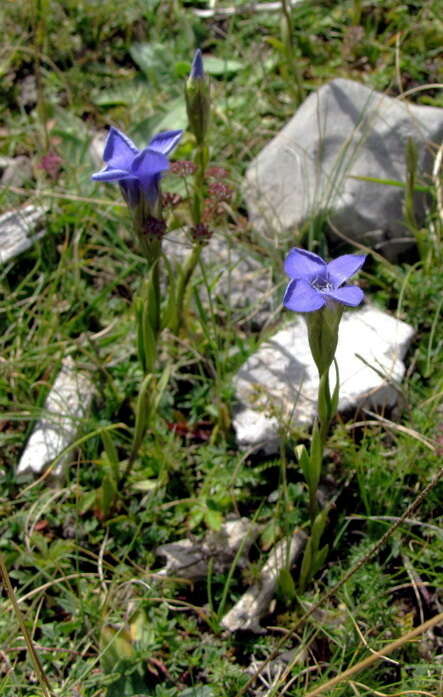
[(41, 676)]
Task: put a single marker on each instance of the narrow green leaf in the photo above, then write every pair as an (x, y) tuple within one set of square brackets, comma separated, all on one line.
[(138, 310), (390, 182), (142, 411), (316, 456), (318, 528), (286, 584), (87, 501), (111, 452), (149, 341), (306, 565), (107, 494), (319, 559), (305, 463), (161, 386), (169, 314), (324, 399), (151, 297), (203, 317)]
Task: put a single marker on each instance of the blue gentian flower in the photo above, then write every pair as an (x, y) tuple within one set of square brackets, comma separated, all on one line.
[(314, 283), (137, 171)]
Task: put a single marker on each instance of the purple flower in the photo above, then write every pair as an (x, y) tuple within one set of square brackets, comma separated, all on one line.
[(137, 171), (315, 283)]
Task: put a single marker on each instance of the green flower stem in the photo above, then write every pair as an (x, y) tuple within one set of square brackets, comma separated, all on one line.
[(155, 313), (327, 402), (152, 250), (201, 159), (326, 408), (184, 280), (323, 337), (41, 676), (198, 107)]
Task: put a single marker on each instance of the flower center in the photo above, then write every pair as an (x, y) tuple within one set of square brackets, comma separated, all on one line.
[(322, 283)]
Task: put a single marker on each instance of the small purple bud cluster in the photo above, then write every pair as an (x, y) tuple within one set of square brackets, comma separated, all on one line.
[(201, 233), (51, 164), (170, 199), (219, 191), (218, 194), (217, 173), (154, 227), (183, 168)]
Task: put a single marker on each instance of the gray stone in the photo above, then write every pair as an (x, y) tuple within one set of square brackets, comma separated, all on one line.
[(190, 558), (66, 404), (19, 230), (343, 130), (279, 383), (28, 91), (15, 170)]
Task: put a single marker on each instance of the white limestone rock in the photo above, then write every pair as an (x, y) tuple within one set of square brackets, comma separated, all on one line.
[(97, 147), (341, 131), (66, 404), (255, 602), (280, 381), (19, 230)]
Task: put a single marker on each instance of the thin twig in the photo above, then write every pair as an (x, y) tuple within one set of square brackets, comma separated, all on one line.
[(60, 194), (369, 660)]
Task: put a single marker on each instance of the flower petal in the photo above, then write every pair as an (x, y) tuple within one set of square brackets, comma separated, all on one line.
[(304, 265), (119, 150), (347, 295), (342, 268), (165, 142), (148, 163), (130, 188), (110, 175), (301, 297)]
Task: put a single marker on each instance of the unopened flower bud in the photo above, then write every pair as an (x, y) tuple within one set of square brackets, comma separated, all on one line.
[(197, 94)]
